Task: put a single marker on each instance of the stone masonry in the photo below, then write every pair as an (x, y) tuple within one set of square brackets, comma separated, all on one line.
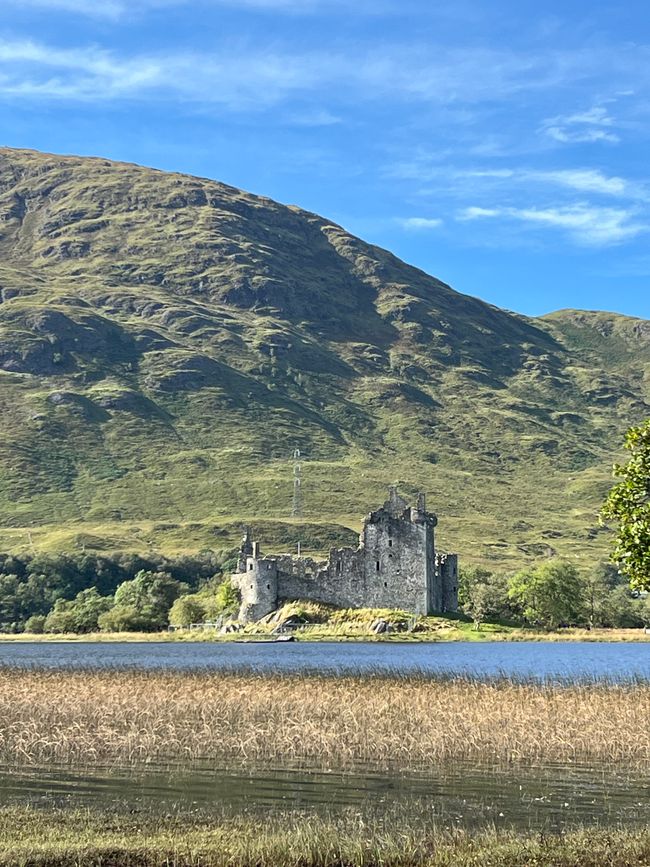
[(395, 566)]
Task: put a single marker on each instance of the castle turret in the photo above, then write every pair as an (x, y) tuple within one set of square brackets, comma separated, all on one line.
[(245, 550)]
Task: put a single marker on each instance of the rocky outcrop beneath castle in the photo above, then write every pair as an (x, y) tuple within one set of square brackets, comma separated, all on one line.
[(394, 566)]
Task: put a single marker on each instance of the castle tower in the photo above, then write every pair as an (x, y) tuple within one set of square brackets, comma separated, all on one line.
[(399, 557)]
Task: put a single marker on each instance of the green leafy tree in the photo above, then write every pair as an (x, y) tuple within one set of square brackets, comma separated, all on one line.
[(125, 618), (61, 618), (35, 624), (81, 614), (225, 601), (483, 595), (187, 609), (551, 593), (628, 503), (621, 609), (151, 595), (596, 592)]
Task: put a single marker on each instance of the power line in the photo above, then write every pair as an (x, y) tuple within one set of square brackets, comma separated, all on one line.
[(296, 509)]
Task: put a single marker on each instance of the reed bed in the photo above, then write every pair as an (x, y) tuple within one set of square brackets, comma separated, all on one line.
[(87, 717), (65, 838)]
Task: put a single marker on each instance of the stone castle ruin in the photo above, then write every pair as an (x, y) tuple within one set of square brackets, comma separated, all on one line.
[(395, 566)]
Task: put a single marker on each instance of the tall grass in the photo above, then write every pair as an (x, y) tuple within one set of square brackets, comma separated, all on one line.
[(65, 838), (334, 721)]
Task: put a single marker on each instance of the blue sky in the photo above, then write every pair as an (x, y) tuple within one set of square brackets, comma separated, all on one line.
[(501, 146)]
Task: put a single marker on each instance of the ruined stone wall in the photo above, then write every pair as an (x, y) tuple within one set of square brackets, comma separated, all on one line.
[(447, 566), (339, 582), (298, 577)]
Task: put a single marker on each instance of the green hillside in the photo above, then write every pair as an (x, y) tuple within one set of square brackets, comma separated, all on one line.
[(167, 341)]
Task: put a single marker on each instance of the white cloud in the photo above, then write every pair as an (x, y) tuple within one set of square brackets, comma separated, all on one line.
[(247, 76), (419, 223), (474, 212), (597, 116), (582, 180), (575, 136), (585, 224), (238, 80), (592, 125)]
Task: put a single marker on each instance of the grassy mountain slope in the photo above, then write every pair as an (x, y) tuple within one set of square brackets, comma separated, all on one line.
[(167, 341)]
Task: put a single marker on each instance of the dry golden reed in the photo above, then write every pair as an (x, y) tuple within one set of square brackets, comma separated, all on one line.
[(135, 716)]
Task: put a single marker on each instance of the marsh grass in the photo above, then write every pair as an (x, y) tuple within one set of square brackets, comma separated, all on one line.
[(396, 722), (65, 838)]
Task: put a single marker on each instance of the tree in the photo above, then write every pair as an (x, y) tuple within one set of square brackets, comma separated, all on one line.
[(80, 614), (35, 624), (620, 609), (550, 594), (484, 596), (225, 601), (151, 595), (125, 618), (628, 503), (186, 610)]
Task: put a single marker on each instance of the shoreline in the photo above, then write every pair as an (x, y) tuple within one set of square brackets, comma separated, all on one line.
[(489, 633)]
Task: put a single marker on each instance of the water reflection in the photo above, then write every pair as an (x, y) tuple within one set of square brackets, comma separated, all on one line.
[(549, 797)]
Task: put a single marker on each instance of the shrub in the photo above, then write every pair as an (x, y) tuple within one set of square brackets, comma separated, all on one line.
[(126, 618), (35, 624)]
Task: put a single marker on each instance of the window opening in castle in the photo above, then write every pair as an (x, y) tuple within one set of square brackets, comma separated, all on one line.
[(377, 565), (390, 543)]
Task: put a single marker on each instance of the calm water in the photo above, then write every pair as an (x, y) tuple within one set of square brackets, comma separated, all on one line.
[(517, 659), (463, 796)]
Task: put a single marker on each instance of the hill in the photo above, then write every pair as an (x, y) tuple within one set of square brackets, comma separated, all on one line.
[(167, 341)]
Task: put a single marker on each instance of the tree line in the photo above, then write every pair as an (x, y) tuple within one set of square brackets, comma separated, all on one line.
[(124, 592), (553, 594)]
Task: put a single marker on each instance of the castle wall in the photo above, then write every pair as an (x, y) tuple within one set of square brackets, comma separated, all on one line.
[(395, 566), (341, 581), (447, 565)]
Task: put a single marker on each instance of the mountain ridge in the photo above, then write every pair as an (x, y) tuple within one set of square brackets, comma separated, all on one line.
[(167, 341)]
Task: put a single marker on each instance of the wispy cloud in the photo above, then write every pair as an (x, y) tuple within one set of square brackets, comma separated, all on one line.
[(580, 179), (593, 125), (247, 76), (239, 80), (421, 223), (118, 9), (317, 117), (587, 224), (92, 8)]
